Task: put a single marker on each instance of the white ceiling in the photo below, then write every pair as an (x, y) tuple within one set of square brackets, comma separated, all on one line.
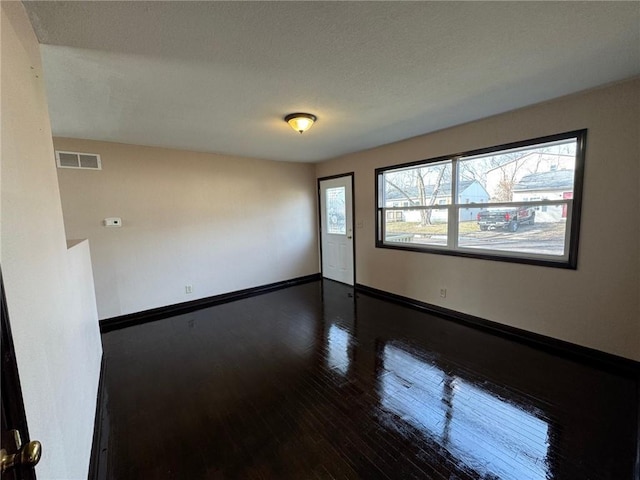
[(220, 76)]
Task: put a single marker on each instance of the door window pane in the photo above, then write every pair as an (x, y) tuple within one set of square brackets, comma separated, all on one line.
[(336, 211)]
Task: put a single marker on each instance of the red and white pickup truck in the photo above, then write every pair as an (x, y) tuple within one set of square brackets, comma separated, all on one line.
[(507, 218)]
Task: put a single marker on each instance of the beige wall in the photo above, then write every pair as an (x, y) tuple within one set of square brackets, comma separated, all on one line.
[(598, 304), (215, 222), (49, 288)]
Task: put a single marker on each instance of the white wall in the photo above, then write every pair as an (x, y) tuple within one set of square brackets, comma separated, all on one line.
[(49, 288), (595, 306), (215, 222)]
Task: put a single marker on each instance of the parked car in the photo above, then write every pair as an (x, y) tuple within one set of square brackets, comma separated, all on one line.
[(507, 218)]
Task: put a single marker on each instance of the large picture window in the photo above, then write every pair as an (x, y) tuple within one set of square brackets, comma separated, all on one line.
[(518, 202)]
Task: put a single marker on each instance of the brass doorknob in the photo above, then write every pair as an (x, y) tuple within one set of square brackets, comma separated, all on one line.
[(26, 455)]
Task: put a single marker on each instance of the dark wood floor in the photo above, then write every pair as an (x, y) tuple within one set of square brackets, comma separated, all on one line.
[(309, 382)]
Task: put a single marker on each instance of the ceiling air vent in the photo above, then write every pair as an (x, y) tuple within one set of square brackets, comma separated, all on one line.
[(89, 161)]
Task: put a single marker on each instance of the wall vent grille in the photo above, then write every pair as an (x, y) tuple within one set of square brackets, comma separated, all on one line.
[(89, 161)]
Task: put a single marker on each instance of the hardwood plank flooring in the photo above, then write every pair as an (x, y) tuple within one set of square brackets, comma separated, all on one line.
[(314, 382)]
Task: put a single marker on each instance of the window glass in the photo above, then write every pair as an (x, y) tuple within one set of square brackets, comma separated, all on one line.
[(426, 226), (423, 186), (336, 211), (537, 230), (515, 202)]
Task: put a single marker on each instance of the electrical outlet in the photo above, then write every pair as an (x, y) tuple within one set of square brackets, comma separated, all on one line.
[(113, 222), (188, 289), (443, 292)]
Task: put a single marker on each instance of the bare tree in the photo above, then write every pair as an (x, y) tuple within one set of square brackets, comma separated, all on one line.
[(421, 174), (515, 166), (400, 190), (420, 186)]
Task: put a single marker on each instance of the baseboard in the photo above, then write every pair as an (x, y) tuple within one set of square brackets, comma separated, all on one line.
[(591, 356), (638, 437), (98, 460), (138, 318)]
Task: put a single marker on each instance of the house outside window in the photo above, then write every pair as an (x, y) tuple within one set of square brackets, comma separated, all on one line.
[(518, 202)]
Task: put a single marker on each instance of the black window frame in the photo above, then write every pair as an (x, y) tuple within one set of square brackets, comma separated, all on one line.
[(571, 261)]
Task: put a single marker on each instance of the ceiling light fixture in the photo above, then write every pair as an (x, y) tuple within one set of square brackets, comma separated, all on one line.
[(300, 122)]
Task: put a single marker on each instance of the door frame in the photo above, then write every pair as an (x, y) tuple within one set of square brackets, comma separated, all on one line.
[(353, 217), (13, 414)]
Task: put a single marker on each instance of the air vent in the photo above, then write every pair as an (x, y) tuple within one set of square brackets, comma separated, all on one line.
[(89, 161)]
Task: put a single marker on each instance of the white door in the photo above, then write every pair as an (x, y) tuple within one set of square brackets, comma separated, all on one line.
[(336, 225)]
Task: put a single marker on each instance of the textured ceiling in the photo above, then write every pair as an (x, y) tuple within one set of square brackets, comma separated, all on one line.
[(220, 76)]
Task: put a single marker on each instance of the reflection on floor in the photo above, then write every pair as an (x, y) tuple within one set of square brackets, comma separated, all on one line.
[(312, 382)]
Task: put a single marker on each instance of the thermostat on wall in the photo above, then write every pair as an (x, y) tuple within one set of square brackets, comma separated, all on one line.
[(113, 222)]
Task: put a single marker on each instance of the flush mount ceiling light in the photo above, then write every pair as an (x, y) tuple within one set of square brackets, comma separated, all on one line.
[(300, 122)]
